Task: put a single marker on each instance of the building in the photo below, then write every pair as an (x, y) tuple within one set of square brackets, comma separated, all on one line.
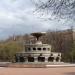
[(37, 52)]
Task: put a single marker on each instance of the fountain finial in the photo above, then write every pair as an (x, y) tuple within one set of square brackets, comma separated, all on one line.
[(38, 34)]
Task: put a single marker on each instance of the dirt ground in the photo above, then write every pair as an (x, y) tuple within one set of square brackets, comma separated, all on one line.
[(37, 71)]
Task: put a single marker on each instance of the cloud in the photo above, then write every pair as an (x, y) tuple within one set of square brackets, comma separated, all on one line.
[(17, 17)]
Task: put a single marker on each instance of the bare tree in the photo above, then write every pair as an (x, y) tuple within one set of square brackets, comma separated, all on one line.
[(54, 9)]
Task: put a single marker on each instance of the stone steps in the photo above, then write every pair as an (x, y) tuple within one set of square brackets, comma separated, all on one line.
[(36, 65)]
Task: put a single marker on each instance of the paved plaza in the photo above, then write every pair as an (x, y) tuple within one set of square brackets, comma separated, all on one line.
[(37, 71)]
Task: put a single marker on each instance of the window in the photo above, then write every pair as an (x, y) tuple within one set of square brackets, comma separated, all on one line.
[(41, 59), (30, 58), (21, 58), (29, 49), (34, 48), (50, 59), (57, 59), (44, 49), (39, 48)]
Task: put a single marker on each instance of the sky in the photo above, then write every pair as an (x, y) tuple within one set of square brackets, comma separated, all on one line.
[(17, 17)]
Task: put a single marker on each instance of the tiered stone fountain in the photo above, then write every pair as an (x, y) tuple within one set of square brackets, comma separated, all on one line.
[(38, 52)]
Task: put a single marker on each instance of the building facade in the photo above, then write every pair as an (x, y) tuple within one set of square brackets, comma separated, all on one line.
[(37, 52)]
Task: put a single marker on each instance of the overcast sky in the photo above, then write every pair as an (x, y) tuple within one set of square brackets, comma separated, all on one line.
[(17, 17)]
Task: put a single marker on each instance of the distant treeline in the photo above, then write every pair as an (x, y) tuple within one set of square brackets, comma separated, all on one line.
[(61, 41)]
